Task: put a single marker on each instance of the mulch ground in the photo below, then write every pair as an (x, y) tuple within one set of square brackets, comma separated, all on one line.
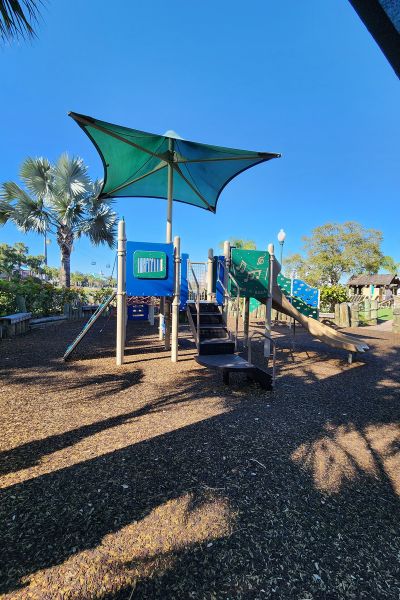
[(154, 480)]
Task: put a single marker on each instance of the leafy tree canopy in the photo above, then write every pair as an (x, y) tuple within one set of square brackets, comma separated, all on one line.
[(337, 249), (240, 243), (390, 265), (13, 258)]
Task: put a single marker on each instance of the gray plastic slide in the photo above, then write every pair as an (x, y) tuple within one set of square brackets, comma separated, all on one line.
[(318, 330)]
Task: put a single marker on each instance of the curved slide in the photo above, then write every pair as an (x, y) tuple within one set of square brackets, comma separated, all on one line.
[(318, 330)]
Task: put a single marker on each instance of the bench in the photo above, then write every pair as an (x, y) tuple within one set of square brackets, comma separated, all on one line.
[(89, 308), (15, 324), (43, 321)]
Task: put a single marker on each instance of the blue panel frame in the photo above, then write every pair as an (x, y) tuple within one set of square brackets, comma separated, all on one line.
[(149, 287), (138, 312), (219, 291), (305, 292), (184, 282)]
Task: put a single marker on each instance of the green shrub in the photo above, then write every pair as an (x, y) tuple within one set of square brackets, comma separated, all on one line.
[(42, 299), (100, 296), (331, 295)]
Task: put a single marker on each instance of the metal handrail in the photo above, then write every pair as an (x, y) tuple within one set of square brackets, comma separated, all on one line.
[(197, 306), (228, 297), (268, 337)]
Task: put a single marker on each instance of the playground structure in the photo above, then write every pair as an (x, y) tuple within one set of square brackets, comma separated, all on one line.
[(158, 270), (154, 273), (141, 164)]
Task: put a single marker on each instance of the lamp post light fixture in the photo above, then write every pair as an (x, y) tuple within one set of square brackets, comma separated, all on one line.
[(281, 240)]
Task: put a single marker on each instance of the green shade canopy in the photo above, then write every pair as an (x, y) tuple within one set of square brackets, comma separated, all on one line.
[(137, 163)]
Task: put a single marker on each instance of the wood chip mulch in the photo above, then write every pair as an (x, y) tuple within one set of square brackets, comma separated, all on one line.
[(154, 480)]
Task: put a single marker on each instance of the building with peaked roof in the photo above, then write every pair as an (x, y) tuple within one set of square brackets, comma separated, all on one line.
[(374, 286)]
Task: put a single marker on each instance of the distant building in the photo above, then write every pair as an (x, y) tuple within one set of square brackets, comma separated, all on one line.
[(22, 273), (373, 286)]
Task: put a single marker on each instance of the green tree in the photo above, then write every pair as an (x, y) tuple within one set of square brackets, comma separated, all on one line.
[(17, 18), (240, 243), (13, 258), (331, 295), (390, 265), (35, 264), (52, 273), (60, 199), (337, 249), (78, 279)]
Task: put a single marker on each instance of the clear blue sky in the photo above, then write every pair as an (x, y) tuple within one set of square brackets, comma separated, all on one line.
[(301, 78)]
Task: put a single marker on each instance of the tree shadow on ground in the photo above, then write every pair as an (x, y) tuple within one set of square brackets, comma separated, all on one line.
[(292, 494), (288, 529)]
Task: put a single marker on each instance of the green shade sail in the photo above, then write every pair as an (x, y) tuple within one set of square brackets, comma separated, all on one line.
[(136, 164)]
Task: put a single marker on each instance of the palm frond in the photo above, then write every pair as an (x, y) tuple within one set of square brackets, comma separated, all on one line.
[(29, 214), (37, 176), (11, 191), (70, 177), (100, 226), (17, 17), (69, 211), (5, 210)]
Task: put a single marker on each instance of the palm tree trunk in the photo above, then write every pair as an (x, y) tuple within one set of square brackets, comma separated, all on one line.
[(65, 238), (65, 269)]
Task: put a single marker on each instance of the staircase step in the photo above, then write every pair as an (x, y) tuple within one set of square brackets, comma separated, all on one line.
[(216, 346), (213, 320), (233, 362), (205, 307), (229, 363), (212, 333)]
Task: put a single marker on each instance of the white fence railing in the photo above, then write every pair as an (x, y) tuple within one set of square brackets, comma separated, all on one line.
[(199, 271)]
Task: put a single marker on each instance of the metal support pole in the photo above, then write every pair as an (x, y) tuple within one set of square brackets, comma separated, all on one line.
[(161, 320), (268, 312), (151, 314), (169, 201), (45, 247), (177, 299), (227, 255), (167, 323), (165, 307), (293, 323), (246, 321), (210, 265), (121, 293)]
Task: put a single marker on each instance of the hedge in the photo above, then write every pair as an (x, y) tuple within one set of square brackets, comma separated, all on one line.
[(42, 299)]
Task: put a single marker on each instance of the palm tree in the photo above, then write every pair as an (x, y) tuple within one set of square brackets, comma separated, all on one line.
[(16, 18), (60, 199)]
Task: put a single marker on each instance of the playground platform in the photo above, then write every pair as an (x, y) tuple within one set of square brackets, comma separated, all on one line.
[(160, 479)]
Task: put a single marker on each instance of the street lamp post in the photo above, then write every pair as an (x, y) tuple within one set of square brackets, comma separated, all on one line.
[(281, 239)]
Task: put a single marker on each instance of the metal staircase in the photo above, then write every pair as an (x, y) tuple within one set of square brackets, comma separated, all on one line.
[(208, 328), (216, 345)]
